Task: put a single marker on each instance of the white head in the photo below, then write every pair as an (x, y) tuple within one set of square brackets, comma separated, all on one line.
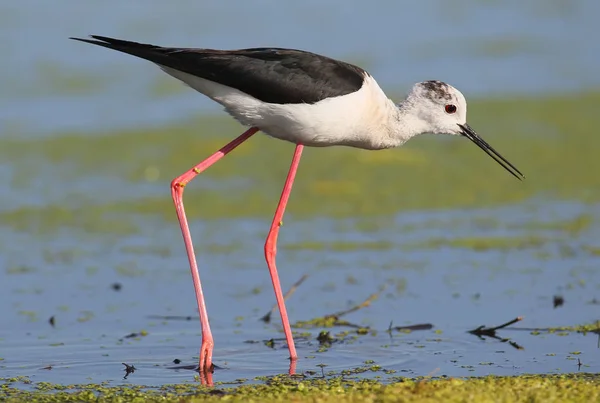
[(439, 108)]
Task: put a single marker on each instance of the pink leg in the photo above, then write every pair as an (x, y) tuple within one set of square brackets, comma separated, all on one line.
[(177, 187), (271, 250)]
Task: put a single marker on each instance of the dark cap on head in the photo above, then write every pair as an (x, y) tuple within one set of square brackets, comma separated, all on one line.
[(437, 89)]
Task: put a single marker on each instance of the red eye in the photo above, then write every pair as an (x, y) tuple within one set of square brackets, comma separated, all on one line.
[(450, 108)]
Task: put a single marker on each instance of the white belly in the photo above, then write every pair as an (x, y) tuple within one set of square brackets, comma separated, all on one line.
[(356, 119)]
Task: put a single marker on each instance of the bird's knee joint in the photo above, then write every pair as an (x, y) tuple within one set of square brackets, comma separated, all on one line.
[(175, 184), (270, 251)]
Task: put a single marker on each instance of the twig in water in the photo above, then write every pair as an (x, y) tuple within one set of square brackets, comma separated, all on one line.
[(129, 369), (171, 317), (557, 301), (420, 326), (363, 304), (428, 376), (491, 331), (409, 328), (333, 320), (390, 330), (483, 331), (322, 369), (267, 317)]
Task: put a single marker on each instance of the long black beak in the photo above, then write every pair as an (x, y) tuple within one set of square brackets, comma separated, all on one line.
[(469, 133)]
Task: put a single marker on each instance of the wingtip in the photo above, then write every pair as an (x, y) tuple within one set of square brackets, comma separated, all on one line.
[(83, 39), (91, 38)]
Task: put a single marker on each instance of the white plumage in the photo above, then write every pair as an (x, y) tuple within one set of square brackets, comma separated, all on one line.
[(365, 119)]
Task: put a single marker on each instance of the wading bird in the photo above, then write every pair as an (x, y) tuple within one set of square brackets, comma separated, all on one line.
[(308, 100)]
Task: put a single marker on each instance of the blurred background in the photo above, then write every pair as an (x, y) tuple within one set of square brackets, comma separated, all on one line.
[(90, 140), (485, 48)]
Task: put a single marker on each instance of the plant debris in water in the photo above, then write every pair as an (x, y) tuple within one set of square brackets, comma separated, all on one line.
[(129, 369), (483, 332), (286, 296), (135, 335)]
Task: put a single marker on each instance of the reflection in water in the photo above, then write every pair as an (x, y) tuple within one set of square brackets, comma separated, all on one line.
[(482, 332)]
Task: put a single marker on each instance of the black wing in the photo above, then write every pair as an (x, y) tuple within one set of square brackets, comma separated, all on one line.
[(274, 75)]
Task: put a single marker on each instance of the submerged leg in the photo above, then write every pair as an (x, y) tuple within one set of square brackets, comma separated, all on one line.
[(271, 250), (177, 187)]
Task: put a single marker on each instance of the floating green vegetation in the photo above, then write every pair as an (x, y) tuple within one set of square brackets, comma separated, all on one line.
[(571, 227), (526, 388), (484, 243), (130, 269), (48, 218), (592, 250), (161, 251), (339, 246), (565, 330), (21, 269), (32, 316), (549, 139), (322, 321), (85, 316)]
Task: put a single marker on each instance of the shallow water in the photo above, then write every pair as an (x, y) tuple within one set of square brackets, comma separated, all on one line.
[(457, 242), (455, 288)]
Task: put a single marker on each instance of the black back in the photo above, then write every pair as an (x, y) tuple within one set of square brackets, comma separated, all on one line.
[(274, 75)]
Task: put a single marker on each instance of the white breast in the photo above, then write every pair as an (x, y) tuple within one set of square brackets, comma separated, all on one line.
[(358, 119)]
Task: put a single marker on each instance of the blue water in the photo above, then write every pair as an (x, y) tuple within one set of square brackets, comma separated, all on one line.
[(453, 288)]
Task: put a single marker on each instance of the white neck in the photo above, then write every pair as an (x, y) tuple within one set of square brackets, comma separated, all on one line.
[(399, 126)]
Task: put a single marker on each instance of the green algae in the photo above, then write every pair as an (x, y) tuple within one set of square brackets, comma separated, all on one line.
[(593, 250), (526, 388), (21, 269), (572, 227), (160, 251), (483, 243), (46, 219), (565, 330), (339, 246), (31, 315), (322, 321), (549, 139)]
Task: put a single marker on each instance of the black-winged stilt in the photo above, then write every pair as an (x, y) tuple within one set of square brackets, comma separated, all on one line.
[(306, 99)]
